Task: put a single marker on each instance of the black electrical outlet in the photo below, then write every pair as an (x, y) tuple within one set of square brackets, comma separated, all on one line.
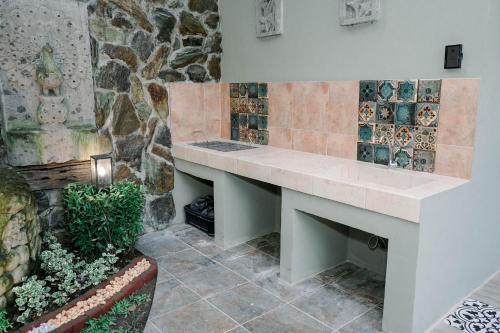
[(453, 56)]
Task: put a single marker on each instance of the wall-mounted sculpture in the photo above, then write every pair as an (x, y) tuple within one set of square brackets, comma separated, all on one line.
[(269, 16), (46, 78), (358, 11)]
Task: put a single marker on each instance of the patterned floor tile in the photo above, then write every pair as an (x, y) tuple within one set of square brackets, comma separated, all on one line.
[(245, 302), (285, 319), (253, 265), (211, 280), (365, 284), (195, 318), (184, 262), (332, 306), (171, 295), (286, 291), (160, 243), (370, 322), (475, 317)]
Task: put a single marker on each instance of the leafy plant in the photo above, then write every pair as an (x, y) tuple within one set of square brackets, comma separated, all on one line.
[(32, 298), (98, 217), (5, 323)]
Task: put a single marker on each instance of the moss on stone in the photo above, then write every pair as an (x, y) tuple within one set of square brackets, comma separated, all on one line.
[(14, 191)]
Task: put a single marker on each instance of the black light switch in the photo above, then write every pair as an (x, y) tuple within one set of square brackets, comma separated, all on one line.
[(453, 56)]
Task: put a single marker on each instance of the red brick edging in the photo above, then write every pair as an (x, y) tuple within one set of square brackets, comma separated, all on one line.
[(79, 323)]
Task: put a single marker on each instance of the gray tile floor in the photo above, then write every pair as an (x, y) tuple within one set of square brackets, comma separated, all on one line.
[(202, 288)]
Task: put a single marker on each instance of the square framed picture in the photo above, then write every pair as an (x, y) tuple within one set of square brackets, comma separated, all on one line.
[(269, 16), (353, 12)]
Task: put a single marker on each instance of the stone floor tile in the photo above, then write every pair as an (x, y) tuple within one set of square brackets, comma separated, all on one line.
[(332, 306), (370, 322), (285, 319), (207, 247), (245, 302), (270, 239), (233, 253), (151, 328), (199, 317), (171, 295), (239, 329), (442, 327), (184, 262), (253, 265), (364, 283), (271, 249), (178, 227), (211, 280), (192, 236), (160, 243), (332, 274), (163, 275), (286, 291)]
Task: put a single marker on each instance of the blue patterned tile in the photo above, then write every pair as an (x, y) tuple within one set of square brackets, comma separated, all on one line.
[(263, 137), (386, 91), (253, 135), (243, 90), (235, 120), (384, 113), (263, 107), (235, 105), (243, 120), (384, 134), (367, 91), (404, 158), (253, 104), (234, 90), (262, 122), (235, 134), (381, 154), (429, 91), (243, 105), (366, 112), (253, 121), (262, 90), (365, 132), (404, 114), (253, 90), (403, 136), (427, 114), (365, 152), (407, 91), (423, 160), (243, 134), (425, 138)]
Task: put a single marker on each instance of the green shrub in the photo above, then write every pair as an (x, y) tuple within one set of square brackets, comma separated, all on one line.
[(98, 217), (5, 323)]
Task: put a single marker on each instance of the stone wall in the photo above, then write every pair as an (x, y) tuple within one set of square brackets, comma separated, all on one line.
[(20, 240), (137, 48)]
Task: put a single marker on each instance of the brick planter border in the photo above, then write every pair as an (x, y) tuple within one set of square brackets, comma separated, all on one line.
[(78, 324)]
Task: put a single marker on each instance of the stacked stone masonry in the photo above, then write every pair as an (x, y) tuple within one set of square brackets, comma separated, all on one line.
[(137, 48), (19, 231)]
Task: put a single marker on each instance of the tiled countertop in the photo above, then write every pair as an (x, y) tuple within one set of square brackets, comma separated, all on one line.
[(393, 192)]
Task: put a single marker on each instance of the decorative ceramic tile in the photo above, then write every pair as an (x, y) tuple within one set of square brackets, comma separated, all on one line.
[(244, 134), (404, 158), (425, 138), (475, 317), (427, 114), (235, 120), (263, 107), (429, 91), (386, 91), (243, 120), (403, 136), (253, 121), (243, 107), (423, 160), (381, 154), (253, 90), (262, 90), (263, 137), (252, 105), (365, 132), (235, 105), (234, 89), (263, 122), (365, 152), (384, 113), (235, 134), (243, 90), (384, 134), (404, 114), (368, 91), (407, 91), (252, 135), (367, 111)]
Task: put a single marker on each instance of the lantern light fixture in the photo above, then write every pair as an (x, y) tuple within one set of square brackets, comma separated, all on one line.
[(101, 167)]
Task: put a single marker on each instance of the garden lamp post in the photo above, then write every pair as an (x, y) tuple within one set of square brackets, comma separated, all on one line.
[(101, 167)]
